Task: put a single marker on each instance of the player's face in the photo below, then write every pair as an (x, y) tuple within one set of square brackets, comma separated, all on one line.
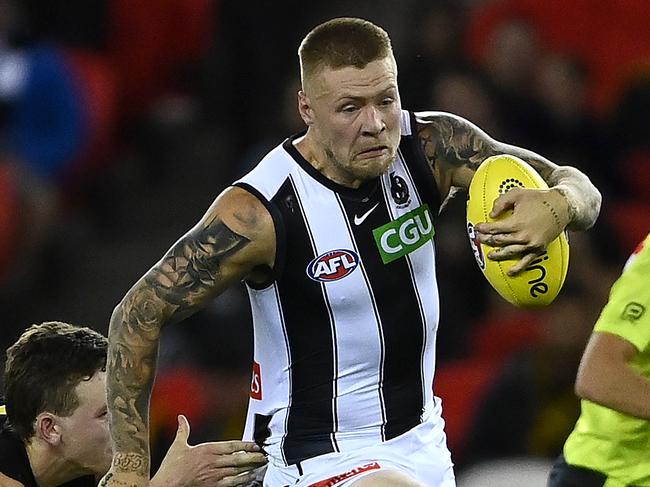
[(85, 436), (355, 119)]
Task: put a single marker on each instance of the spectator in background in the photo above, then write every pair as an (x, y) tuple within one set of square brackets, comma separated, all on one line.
[(574, 133), (434, 46), (42, 127), (466, 92), (41, 131), (510, 61), (609, 445)]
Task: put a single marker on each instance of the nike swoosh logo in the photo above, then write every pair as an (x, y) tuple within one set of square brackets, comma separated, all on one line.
[(358, 220)]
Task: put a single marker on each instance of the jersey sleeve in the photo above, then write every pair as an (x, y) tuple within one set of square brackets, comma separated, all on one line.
[(627, 313)]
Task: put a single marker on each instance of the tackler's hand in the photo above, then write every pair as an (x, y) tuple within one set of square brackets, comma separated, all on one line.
[(214, 464), (527, 220)]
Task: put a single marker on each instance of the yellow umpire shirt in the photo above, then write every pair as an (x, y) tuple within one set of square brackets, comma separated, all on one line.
[(605, 440)]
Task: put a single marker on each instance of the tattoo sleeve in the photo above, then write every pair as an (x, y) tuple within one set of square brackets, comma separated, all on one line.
[(180, 282), (459, 144)]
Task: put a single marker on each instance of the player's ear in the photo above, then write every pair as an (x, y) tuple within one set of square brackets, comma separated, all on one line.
[(47, 428), (305, 109)]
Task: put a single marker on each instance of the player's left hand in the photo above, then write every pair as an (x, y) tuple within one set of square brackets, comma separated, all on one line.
[(216, 464), (538, 216)]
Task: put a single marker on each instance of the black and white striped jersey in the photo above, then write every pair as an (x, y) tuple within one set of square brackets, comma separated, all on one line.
[(345, 332)]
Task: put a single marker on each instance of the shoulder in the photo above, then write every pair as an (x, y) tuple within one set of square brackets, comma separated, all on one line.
[(633, 278), (243, 212), (11, 448), (13, 460), (8, 481), (238, 220), (442, 125), (433, 116)]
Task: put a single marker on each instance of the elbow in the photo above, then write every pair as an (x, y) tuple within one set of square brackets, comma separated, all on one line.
[(116, 317), (581, 389), (588, 387), (596, 204), (593, 205)]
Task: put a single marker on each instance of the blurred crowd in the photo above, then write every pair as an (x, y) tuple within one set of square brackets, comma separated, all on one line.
[(120, 121)]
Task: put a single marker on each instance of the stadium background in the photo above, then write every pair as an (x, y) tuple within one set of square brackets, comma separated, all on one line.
[(120, 121)]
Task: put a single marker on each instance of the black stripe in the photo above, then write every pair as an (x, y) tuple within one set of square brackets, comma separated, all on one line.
[(261, 431), (401, 321), (310, 421), (418, 166), (418, 195)]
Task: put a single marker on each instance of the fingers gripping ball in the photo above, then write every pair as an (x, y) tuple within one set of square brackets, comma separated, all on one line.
[(540, 282)]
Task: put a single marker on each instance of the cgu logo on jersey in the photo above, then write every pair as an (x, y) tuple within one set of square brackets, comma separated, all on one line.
[(332, 265), (404, 235)]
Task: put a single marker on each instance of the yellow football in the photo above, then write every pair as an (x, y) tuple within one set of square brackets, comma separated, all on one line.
[(539, 283)]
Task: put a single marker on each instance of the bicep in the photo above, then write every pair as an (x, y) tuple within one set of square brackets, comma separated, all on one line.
[(455, 148), (605, 353), (608, 347), (235, 236)]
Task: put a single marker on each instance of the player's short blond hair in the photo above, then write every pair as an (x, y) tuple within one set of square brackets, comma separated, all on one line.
[(342, 42)]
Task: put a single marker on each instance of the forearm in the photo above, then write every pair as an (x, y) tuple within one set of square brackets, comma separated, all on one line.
[(619, 387), (132, 355), (582, 197), (455, 148)]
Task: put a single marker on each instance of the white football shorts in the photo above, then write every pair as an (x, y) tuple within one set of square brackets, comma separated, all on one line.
[(421, 453)]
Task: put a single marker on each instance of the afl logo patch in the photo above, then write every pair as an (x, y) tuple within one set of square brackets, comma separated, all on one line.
[(332, 265)]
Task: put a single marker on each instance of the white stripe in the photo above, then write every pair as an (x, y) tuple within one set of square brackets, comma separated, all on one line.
[(406, 123), (426, 384), (270, 338), (289, 367), (380, 327)]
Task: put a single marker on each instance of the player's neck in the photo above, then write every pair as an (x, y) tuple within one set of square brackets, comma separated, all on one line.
[(316, 156), (48, 467)]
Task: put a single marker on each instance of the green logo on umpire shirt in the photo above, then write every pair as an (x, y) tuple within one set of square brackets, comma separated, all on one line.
[(402, 236)]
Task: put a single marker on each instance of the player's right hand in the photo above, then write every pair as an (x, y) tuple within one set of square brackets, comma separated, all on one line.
[(220, 464)]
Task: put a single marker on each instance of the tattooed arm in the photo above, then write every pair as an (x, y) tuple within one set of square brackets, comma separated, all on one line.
[(234, 240), (455, 148)]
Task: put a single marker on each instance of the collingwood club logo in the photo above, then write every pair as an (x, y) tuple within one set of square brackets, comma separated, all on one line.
[(399, 190)]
